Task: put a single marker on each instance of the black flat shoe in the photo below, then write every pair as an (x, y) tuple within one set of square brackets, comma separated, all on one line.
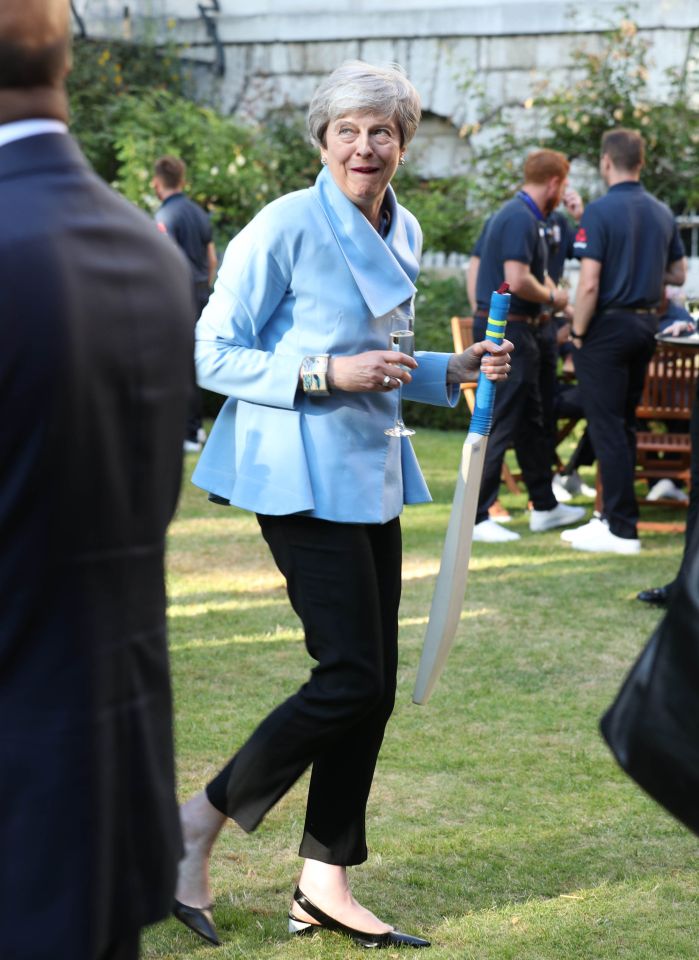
[(199, 920), (660, 596), (392, 938)]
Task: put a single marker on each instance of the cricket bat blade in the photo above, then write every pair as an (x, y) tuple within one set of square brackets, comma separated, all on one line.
[(448, 598)]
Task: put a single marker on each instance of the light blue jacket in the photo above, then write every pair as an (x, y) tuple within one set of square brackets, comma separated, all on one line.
[(310, 275)]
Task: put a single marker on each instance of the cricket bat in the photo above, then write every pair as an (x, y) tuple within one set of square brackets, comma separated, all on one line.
[(448, 598)]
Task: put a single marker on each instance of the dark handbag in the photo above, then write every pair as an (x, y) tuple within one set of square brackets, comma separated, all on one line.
[(652, 727)]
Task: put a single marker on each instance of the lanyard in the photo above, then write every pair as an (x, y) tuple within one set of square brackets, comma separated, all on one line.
[(530, 203)]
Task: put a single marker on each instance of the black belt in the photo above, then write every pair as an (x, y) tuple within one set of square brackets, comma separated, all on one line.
[(539, 321), (619, 308)]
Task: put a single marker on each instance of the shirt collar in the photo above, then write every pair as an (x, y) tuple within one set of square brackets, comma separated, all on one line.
[(20, 129), (627, 185)]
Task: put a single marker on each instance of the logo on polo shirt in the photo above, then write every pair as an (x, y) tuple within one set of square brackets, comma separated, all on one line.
[(580, 238)]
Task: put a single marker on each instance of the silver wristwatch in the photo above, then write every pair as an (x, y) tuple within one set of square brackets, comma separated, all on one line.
[(314, 375)]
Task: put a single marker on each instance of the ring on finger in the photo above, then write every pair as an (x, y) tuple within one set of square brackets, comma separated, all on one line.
[(387, 381)]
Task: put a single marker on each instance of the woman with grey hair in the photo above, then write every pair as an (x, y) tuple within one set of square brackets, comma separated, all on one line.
[(296, 334)]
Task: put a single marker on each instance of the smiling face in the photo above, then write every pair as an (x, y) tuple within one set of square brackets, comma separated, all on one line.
[(362, 152)]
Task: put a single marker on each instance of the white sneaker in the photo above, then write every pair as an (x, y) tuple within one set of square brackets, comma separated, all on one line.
[(560, 516), (666, 490), (191, 446), (559, 489), (201, 435), (587, 529), (573, 484), (498, 513), (602, 540), (488, 531)]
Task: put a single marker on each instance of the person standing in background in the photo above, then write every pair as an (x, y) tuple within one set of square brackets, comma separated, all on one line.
[(514, 249), (97, 340), (189, 226), (630, 248)]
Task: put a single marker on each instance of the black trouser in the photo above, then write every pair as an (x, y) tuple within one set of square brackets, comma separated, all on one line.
[(126, 949), (194, 414), (569, 405), (518, 419), (611, 367), (344, 582), (548, 384)]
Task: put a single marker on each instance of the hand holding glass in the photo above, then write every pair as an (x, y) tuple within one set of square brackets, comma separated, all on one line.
[(402, 341)]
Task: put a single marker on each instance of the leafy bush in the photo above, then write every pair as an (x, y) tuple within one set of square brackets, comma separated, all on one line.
[(440, 206), (609, 89), (225, 172), (437, 301), (106, 77)]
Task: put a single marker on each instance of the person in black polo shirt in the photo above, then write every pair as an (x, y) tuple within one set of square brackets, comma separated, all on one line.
[(187, 224), (514, 248), (630, 248)]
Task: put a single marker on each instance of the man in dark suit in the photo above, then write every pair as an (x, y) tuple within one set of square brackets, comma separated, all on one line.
[(95, 360)]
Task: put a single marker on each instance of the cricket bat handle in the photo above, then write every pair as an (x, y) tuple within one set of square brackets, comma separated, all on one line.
[(482, 417)]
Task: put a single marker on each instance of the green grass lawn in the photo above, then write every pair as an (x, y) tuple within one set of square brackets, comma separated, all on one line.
[(499, 825)]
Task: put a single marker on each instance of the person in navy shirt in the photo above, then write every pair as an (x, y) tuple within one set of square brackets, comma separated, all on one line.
[(630, 248), (514, 248), (189, 226)]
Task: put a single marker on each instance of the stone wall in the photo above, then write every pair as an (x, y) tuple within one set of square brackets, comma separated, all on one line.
[(274, 51)]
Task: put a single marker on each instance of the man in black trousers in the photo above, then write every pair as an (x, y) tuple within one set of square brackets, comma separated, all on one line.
[(186, 223), (95, 361), (515, 249), (630, 248)]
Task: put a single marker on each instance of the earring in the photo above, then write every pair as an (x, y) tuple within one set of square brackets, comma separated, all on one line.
[(402, 160), (324, 160)]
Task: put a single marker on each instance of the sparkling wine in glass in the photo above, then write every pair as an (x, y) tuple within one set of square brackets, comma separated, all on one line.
[(401, 341)]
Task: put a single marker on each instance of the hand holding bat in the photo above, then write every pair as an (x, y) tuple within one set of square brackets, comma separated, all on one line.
[(493, 360)]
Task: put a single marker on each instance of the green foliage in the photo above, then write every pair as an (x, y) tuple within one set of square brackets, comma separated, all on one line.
[(290, 158), (437, 301), (225, 172), (106, 77), (612, 91), (440, 206), (609, 89), (129, 106)]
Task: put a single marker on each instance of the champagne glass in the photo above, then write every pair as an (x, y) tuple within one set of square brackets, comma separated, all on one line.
[(401, 341)]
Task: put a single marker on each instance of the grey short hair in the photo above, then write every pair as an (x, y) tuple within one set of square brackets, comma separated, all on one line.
[(359, 87)]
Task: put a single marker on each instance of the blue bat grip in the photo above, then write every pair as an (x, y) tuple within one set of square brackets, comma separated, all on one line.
[(482, 417)]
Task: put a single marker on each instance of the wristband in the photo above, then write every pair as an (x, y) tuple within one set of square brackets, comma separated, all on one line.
[(577, 336), (314, 375), (552, 296)]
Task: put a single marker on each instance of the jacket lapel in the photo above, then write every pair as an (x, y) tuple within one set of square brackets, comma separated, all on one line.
[(383, 270)]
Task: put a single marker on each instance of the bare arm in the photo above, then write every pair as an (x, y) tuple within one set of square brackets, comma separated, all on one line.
[(676, 273), (212, 261), (524, 284), (586, 296), (471, 281)]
